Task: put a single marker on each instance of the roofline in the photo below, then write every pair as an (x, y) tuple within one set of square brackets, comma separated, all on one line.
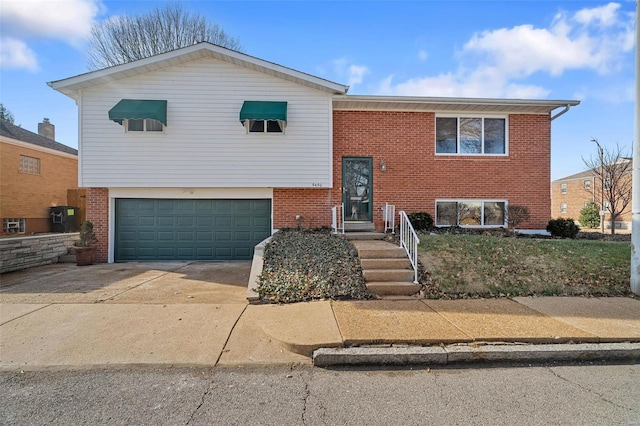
[(454, 101), (66, 85), (35, 147)]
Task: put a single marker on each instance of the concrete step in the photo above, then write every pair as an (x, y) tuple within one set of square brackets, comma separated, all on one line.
[(399, 275), (359, 226), (382, 253), (393, 288), (364, 236), (385, 263)]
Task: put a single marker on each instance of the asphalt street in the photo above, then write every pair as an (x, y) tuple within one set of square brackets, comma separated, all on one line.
[(587, 394)]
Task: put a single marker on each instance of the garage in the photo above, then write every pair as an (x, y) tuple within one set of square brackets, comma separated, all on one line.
[(189, 229)]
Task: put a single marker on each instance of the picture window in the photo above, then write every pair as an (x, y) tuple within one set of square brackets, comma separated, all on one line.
[(471, 135)]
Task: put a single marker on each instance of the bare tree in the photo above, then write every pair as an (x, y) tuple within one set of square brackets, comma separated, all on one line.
[(516, 215), (125, 38), (612, 170), (6, 115)]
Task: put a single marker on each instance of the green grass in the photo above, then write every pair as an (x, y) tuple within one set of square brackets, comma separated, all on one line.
[(488, 266), (301, 265)]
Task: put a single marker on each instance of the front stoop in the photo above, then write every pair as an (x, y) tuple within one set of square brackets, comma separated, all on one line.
[(386, 268)]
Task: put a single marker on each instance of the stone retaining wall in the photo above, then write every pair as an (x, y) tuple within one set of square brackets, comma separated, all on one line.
[(27, 252)]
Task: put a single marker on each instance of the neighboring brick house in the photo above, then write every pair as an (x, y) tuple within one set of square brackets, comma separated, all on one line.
[(570, 194), (35, 174), (202, 152)]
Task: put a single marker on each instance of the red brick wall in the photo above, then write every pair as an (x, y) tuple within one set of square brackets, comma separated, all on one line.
[(98, 214), (416, 177)]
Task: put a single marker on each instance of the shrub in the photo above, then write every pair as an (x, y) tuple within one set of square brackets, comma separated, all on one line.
[(563, 228), (87, 236), (590, 215), (516, 215), (421, 221)]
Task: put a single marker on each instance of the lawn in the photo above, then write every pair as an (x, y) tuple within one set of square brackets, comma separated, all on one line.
[(488, 266)]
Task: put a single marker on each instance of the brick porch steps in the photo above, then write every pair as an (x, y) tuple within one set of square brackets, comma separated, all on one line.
[(385, 266)]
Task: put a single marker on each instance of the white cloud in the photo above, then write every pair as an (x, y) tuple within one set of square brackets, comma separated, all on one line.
[(356, 74), (603, 15), (493, 62), (24, 20), (352, 73), (16, 54)]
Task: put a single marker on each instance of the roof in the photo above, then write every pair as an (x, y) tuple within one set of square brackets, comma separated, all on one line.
[(436, 104), (588, 173), (71, 86), (18, 133)]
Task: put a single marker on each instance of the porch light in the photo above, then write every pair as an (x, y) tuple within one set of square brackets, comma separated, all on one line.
[(383, 165)]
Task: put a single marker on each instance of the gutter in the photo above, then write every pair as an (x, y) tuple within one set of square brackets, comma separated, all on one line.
[(566, 108)]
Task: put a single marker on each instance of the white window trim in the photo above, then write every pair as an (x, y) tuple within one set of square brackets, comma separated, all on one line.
[(587, 184), (563, 208), (563, 188), (472, 200), (458, 153), (283, 126), (144, 127)]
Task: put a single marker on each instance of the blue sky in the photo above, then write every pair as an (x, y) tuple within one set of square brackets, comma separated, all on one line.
[(580, 50)]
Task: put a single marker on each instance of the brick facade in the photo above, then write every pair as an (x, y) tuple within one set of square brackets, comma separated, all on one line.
[(29, 196), (98, 214), (415, 177)]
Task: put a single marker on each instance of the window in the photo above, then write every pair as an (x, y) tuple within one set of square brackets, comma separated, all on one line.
[(29, 165), (144, 125), (587, 184), (563, 207), (563, 188), (264, 126), (470, 213), (471, 135), (13, 226)]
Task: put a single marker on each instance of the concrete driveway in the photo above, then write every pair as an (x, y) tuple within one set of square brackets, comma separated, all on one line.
[(135, 282), (120, 314)]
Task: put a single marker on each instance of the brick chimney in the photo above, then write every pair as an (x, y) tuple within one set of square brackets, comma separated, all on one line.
[(47, 129)]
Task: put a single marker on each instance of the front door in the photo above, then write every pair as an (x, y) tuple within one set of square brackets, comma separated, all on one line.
[(357, 189)]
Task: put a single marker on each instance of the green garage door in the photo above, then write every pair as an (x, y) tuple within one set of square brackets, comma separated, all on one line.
[(164, 229)]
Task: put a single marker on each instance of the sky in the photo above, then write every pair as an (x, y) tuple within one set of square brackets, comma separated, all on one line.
[(560, 50)]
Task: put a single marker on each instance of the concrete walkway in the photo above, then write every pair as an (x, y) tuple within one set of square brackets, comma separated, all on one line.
[(190, 313)]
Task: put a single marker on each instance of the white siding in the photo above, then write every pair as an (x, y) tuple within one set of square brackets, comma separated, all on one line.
[(204, 143)]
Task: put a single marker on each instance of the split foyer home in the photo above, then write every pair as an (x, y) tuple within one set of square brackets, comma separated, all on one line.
[(35, 174), (202, 152)]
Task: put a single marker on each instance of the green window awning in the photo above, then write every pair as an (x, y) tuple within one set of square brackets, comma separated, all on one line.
[(263, 110), (136, 109)]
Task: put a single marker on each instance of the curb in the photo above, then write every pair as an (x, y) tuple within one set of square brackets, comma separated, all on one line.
[(460, 354)]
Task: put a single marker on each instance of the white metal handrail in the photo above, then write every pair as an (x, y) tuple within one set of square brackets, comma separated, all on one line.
[(389, 217), (337, 219), (409, 241)]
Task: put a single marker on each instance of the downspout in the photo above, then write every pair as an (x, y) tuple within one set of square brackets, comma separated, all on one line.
[(566, 108)]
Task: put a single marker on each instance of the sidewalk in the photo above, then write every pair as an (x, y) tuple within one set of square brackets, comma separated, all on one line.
[(194, 314)]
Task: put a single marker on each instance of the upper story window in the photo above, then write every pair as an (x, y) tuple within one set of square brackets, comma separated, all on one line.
[(29, 165), (264, 116), (563, 188), (140, 115), (471, 135), (264, 126), (587, 184), (144, 125)]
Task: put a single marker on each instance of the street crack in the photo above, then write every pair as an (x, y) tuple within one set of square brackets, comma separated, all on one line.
[(204, 396), (599, 395)]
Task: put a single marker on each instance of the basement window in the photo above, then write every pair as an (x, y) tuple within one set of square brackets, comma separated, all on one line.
[(13, 226)]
